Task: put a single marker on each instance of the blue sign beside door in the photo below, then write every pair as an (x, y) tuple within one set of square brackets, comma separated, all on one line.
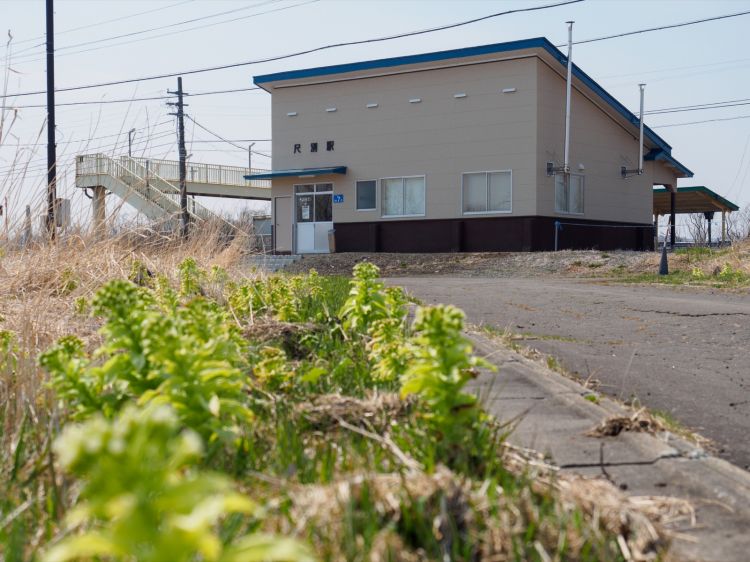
[(338, 197)]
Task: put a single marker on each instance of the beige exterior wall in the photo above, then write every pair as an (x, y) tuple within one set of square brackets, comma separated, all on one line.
[(441, 137), (601, 144)]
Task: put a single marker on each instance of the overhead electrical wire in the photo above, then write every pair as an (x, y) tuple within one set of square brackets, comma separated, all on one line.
[(66, 52), (696, 107), (128, 100), (137, 145), (658, 28), (209, 131), (735, 118), (298, 53), (97, 24), (24, 145)]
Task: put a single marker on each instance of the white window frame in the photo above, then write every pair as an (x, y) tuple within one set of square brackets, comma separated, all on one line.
[(583, 196), (313, 193), (424, 196), (488, 212), (356, 196)]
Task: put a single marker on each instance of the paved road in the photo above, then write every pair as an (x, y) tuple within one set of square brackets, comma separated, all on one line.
[(681, 351)]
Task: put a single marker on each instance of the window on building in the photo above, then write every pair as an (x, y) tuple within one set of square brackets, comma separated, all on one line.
[(366, 197), (403, 196), (314, 202), (569, 197), (487, 192)]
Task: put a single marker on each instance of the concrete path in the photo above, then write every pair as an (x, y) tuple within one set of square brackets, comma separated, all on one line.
[(684, 352), (553, 417)]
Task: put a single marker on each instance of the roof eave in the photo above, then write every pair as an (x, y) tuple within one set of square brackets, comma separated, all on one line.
[(669, 160)]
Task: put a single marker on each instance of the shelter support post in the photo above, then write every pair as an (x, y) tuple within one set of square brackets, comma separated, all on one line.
[(723, 227), (672, 215), (99, 209), (656, 231)]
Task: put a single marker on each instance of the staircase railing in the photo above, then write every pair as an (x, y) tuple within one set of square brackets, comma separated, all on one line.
[(138, 176)]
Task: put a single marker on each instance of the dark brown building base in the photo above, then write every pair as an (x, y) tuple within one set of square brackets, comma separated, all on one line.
[(491, 234)]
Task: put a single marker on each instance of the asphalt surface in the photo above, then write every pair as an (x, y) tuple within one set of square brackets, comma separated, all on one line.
[(682, 351)]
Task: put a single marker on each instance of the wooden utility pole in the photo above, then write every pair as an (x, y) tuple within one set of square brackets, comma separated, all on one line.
[(184, 215), (51, 147)]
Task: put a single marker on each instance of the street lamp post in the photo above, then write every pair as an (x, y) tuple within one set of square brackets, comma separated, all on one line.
[(131, 132), (250, 158)]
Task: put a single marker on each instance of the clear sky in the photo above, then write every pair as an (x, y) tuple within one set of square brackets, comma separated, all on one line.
[(698, 64)]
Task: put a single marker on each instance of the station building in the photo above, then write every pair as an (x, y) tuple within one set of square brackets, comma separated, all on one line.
[(456, 151)]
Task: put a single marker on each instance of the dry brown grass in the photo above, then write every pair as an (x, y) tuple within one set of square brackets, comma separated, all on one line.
[(459, 504), (640, 421), (39, 286)]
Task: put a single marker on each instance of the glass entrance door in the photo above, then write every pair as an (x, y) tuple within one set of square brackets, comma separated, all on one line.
[(313, 216)]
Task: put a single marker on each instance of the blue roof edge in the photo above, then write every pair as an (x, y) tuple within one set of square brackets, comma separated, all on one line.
[(535, 42), (656, 154), (297, 172)]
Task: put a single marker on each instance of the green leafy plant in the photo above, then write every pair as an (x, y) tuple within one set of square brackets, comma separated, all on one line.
[(272, 370), (142, 497), (440, 364), (191, 278), (190, 357), (367, 300)]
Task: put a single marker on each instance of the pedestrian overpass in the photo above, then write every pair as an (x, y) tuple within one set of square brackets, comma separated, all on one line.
[(152, 186)]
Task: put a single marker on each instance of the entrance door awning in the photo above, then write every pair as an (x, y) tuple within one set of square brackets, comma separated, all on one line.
[(694, 199), (298, 173)]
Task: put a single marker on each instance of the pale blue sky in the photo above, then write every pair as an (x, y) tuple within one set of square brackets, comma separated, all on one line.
[(692, 65)]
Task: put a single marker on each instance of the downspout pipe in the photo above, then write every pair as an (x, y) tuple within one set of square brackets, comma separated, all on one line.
[(567, 96), (640, 146)]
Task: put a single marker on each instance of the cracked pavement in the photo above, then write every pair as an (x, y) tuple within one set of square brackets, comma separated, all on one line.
[(678, 350), (549, 414)]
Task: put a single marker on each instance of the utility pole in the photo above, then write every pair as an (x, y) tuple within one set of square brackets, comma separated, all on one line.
[(185, 217), (51, 147)]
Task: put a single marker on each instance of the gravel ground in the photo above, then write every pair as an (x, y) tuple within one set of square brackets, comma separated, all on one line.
[(567, 262)]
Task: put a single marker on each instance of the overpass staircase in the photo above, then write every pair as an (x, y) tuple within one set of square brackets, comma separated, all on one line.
[(141, 183)]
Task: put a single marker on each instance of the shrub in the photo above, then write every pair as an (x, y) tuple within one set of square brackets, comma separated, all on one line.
[(190, 357), (366, 303), (440, 365), (143, 499)]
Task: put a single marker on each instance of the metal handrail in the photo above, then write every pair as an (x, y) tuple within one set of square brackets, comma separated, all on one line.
[(144, 181), (215, 174)]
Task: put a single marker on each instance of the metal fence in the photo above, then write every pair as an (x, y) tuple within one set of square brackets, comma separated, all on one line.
[(214, 174)]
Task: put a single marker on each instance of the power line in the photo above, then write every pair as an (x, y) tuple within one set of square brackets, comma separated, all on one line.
[(672, 68), (25, 145), (121, 18), (141, 144), (162, 35), (709, 105), (698, 122), (26, 59), (128, 100), (209, 131), (659, 28), (299, 53)]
